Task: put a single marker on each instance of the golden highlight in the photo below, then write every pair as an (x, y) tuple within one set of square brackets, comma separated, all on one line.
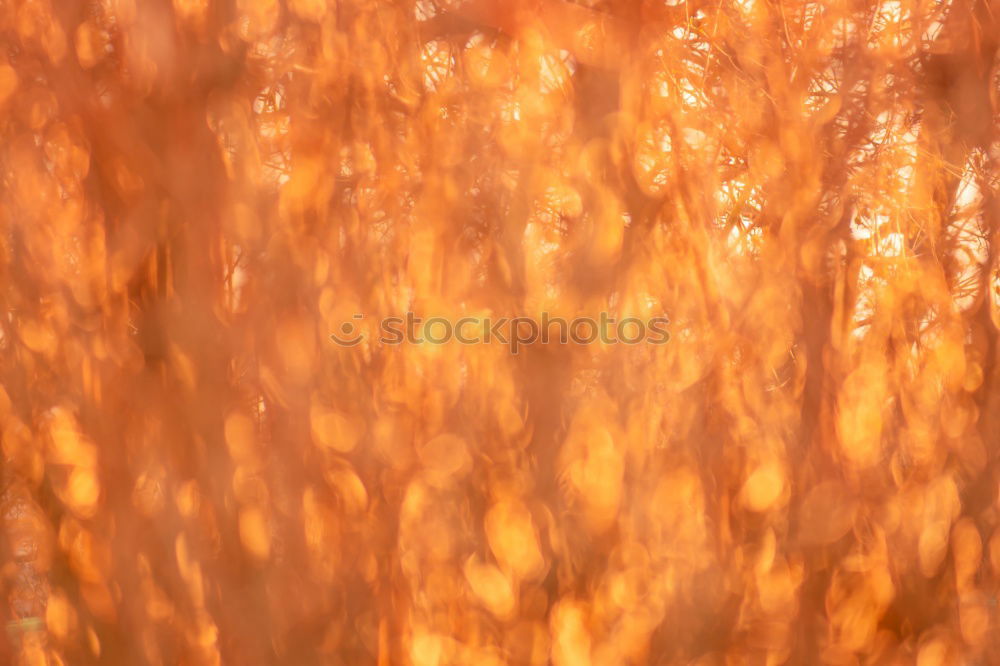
[(195, 194)]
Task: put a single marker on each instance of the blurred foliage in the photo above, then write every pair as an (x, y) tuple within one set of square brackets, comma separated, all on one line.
[(196, 193)]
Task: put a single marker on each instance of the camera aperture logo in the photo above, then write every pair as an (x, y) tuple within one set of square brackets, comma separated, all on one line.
[(514, 332)]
